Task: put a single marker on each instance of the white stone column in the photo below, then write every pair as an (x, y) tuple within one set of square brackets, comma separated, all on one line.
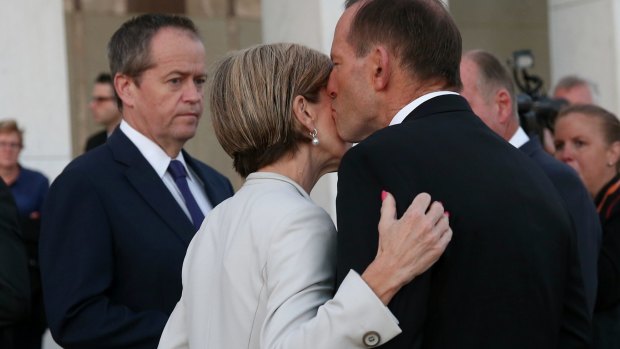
[(311, 23), (34, 86), (584, 38)]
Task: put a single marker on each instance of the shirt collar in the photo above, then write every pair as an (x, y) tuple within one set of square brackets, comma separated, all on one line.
[(519, 138), (402, 114), (152, 152)]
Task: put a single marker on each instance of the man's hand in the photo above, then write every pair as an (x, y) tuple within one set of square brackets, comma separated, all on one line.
[(407, 246)]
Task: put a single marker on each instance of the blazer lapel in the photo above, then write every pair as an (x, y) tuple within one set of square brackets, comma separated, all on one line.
[(149, 186), (213, 189)]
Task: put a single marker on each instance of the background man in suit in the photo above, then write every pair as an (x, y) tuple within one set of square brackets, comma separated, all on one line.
[(118, 220), (489, 89), (105, 111), (14, 275), (510, 277)]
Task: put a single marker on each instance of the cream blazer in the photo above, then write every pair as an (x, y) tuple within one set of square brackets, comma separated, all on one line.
[(260, 274)]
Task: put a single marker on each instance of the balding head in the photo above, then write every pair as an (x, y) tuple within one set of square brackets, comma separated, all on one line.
[(488, 88)]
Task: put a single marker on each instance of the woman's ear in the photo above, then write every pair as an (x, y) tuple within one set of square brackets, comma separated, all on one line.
[(304, 112), (613, 154)]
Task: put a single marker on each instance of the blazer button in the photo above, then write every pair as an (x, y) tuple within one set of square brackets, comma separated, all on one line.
[(372, 339)]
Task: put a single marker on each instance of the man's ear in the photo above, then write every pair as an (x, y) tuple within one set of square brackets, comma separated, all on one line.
[(304, 112), (125, 89), (504, 105), (380, 64)]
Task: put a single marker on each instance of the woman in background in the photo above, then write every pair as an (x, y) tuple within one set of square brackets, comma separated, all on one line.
[(28, 188), (587, 138), (261, 267)]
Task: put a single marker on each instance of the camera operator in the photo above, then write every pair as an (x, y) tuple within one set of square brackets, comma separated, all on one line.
[(488, 88)]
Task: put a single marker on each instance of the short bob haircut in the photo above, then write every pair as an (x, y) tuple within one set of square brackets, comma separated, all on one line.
[(251, 99)]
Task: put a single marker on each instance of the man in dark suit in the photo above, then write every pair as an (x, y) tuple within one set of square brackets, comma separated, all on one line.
[(118, 220), (105, 111), (14, 275), (510, 277), (489, 89)]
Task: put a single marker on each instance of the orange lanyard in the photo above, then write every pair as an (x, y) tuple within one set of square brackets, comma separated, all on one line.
[(609, 191)]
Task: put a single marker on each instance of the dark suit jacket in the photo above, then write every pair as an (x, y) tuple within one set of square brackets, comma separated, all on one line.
[(96, 140), (581, 210), (510, 277), (14, 277), (112, 245)]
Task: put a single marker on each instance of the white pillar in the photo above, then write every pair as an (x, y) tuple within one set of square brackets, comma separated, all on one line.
[(311, 23), (33, 66), (584, 38)]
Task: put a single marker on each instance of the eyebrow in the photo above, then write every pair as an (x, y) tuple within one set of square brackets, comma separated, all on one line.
[(185, 73)]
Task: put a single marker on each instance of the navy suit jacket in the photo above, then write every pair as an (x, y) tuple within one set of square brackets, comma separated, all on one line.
[(112, 245), (581, 209), (510, 277)]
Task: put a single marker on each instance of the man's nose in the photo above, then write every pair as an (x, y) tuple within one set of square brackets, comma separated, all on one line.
[(192, 93)]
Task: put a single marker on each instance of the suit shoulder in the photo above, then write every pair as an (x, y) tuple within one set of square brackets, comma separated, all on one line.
[(87, 167), (557, 171), (96, 158), (278, 196)]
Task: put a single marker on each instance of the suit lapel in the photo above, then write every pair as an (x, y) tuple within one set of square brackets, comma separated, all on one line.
[(214, 192), (149, 186)]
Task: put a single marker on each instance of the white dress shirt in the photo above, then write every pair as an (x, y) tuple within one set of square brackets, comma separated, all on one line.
[(519, 138), (402, 114), (159, 160)]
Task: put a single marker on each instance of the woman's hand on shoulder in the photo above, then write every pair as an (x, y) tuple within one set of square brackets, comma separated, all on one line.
[(407, 246)]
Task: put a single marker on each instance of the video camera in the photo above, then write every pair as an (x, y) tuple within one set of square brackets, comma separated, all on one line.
[(536, 110)]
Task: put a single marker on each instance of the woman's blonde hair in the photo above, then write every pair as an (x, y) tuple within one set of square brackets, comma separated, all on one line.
[(251, 99)]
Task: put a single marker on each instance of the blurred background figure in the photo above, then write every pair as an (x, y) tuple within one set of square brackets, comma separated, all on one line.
[(14, 284), (28, 188), (587, 138), (575, 90), (104, 109), (489, 89)]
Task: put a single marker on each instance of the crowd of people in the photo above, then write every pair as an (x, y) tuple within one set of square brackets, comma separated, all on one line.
[(456, 228)]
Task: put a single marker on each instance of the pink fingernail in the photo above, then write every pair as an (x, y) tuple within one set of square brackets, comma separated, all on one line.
[(383, 194), (447, 214)]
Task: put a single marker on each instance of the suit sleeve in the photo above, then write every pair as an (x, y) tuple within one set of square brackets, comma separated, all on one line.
[(14, 277), (363, 174), (300, 278), (77, 270)]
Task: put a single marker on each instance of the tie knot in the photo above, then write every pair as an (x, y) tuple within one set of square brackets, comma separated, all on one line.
[(176, 169)]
